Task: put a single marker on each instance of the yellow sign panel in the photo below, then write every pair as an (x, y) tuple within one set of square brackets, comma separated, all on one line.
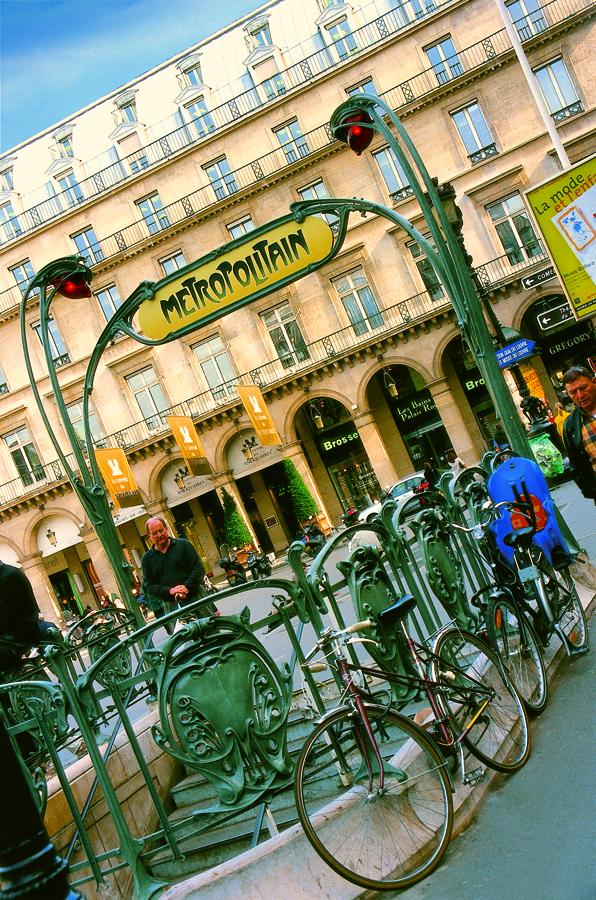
[(255, 266), (117, 474), (565, 211), (258, 414), (189, 444)]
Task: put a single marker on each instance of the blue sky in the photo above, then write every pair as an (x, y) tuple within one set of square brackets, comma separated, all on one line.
[(56, 56)]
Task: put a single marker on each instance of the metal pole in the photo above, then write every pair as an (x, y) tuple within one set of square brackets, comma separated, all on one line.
[(533, 85), (85, 481)]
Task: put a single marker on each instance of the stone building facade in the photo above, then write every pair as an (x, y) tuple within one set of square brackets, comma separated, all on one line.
[(361, 362)]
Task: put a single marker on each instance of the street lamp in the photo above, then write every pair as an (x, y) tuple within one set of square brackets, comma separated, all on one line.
[(355, 122), (70, 277)]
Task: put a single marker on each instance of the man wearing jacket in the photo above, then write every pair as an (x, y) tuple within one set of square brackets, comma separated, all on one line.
[(172, 570), (579, 429)]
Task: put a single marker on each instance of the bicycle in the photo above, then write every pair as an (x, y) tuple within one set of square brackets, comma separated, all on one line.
[(506, 618), (544, 586), (373, 789)]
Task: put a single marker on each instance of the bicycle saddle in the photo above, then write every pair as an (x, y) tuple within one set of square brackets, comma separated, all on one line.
[(398, 610)]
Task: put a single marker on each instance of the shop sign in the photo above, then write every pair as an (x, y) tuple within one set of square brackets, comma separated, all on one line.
[(564, 342), (189, 444), (564, 208), (333, 442), (117, 474), (530, 281), (415, 407), (229, 278)]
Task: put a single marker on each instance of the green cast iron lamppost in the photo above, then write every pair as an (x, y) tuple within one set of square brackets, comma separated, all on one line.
[(355, 123), (70, 277)]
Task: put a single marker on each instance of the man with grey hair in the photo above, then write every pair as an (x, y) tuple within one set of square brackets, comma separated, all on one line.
[(579, 429), (172, 570)]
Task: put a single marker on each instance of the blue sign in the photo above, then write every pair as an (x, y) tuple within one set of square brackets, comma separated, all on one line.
[(510, 354)]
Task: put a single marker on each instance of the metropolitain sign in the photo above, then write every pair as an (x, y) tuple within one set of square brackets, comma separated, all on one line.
[(220, 282)]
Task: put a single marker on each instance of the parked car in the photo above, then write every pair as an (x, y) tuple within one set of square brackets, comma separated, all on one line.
[(405, 487)]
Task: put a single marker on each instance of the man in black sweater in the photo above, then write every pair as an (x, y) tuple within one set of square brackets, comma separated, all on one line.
[(172, 570)]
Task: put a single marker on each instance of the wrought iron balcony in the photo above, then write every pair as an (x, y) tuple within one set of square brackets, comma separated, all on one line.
[(483, 153), (572, 110)]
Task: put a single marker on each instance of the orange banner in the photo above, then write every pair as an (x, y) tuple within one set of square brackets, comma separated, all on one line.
[(258, 414), (189, 444), (118, 477)]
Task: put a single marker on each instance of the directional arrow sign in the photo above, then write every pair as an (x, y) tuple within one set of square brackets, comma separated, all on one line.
[(510, 354), (530, 281), (555, 316)]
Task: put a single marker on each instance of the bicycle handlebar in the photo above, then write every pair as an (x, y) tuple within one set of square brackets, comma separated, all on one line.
[(357, 626)]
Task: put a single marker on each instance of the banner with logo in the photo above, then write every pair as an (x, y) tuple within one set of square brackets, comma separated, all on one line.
[(564, 208), (255, 406), (117, 474), (189, 444)]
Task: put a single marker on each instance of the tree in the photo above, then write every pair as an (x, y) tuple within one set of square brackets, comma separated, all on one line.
[(235, 531), (303, 502)]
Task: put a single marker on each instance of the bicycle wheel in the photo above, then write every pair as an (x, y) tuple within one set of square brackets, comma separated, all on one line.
[(500, 736), (378, 837), (518, 648), (566, 606)]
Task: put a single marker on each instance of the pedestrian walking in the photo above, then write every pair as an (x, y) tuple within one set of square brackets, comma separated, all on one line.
[(455, 463), (430, 474), (172, 570), (579, 429)]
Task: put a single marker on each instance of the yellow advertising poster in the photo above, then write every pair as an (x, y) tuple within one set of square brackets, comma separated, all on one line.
[(118, 477), (211, 285), (189, 444), (258, 414), (565, 211)]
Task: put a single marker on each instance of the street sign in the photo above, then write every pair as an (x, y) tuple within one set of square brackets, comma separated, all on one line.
[(510, 354), (555, 316), (530, 281)]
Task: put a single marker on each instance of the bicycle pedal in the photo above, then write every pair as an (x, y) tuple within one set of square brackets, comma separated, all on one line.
[(474, 777)]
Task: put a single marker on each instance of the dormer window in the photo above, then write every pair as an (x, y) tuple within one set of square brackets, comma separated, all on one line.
[(126, 108), (258, 33), (6, 177), (191, 74), (63, 148)]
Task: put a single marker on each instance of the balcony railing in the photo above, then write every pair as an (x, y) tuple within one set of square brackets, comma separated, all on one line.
[(306, 70)]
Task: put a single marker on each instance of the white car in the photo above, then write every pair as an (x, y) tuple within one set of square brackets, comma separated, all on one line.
[(405, 487)]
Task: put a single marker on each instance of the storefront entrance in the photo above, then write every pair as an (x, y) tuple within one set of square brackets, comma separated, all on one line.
[(67, 595)]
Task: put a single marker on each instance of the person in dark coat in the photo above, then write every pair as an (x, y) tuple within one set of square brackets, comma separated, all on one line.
[(172, 570), (20, 628), (579, 429)]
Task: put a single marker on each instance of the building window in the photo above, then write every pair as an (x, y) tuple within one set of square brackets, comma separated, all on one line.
[(217, 367), (221, 178), (75, 414), (358, 302), (58, 349), (153, 213), (9, 224), (343, 40), (241, 227), (88, 246), (527, 16), (393, 174), (285, 335), (274, 86), (65, 147), (414, 9), (292, 141), (512, 224), (444, 60), (22, 273), (193, 75), (6, 180), (173, 263), (200, 116), (148, 395), (429, 277), (365, 87), (24, 455), (261, 35), (558, 90), (138, 161), (110, 300), (317, 191), (129, 112), (4, 389), (71, 189), (474, 132)]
